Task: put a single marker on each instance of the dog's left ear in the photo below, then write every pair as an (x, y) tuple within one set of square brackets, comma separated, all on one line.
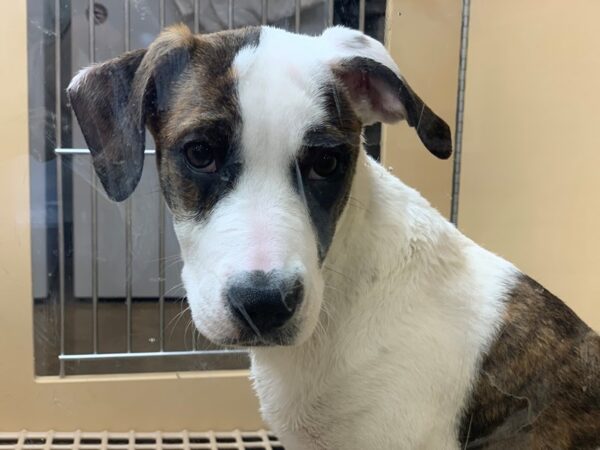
[(378, 93)]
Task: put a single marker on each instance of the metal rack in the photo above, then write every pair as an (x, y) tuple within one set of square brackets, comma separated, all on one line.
[(184, 440)]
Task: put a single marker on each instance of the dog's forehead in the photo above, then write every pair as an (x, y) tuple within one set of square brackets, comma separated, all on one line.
[(280, 87), (269, 85)]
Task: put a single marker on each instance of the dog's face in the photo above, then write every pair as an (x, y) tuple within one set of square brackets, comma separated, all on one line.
[(257, 135)]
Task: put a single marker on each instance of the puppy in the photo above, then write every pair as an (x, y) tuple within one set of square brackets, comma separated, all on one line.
[(372, 322)]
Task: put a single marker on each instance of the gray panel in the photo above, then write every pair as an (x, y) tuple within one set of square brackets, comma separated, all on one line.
[(38, 117)]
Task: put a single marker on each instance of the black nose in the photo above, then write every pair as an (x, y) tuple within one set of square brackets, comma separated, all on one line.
[(263, 301)]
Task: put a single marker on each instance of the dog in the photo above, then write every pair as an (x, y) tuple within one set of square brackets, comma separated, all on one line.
[(372, 322)]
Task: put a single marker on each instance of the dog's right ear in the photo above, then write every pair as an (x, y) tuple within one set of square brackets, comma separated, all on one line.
[(111, 121), (114, 100)]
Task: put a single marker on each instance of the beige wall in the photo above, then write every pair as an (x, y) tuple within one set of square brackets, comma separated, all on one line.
[(531, 163), (423, 37), (530, 189)]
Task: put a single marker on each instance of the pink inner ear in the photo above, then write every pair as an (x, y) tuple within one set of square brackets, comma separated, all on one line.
[(388, 103), (372, 98)]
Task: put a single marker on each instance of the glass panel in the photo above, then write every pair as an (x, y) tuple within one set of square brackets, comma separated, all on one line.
[(100, 305)]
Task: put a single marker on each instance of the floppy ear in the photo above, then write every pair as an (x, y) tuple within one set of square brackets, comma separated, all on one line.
[(378, 93), (111, 122), (114, 100)]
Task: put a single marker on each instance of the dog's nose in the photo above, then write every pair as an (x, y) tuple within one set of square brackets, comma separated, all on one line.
[(263, 301)]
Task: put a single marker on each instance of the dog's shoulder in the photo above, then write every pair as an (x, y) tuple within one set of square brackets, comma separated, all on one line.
[(539, 383)]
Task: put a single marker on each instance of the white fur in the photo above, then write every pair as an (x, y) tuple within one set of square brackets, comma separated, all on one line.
[(410, 306), (79, 79), (394, 323)]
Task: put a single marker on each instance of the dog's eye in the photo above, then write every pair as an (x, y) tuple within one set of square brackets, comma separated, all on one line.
[(323, 166), (200, 157)]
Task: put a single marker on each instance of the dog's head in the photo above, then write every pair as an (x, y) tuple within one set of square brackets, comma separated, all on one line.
[(257, 136)]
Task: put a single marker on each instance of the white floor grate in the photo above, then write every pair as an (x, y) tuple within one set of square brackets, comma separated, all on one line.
[(185, 440)]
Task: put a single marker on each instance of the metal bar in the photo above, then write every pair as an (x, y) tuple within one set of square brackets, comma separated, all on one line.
[(127, 32), (61, 258), (94, 229), (194, 339), (161, 14), (92, 31), (460, 109), (196, 17), (57, 75), (161, 273), (85, 151), (128, 273), (265, 12), (230, 14), (59, 187), (94, 197), (136, 355), (361, 15), (128, 223), (297, 16), (330, 12), (161, 248)]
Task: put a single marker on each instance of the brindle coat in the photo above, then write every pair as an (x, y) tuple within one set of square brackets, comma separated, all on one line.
[(539, 385)]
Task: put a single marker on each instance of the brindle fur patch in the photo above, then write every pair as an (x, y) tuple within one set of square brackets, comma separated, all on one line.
[(206, 93), (539, 385)]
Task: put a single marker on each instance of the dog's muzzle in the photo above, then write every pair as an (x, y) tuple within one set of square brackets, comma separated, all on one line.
[(262, 304)]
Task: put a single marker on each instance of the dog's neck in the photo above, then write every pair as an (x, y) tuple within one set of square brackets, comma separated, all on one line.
[(388, 233), (385, 237)]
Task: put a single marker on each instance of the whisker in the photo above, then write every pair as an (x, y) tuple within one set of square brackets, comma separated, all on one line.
[(356, 204), (333, 288), (331, 269), (336, 99), (177, 318), (250, 322), (172, 263), (173, 288), (187, 327), (357, 201), (247, 318), (165, 258), (282, 298)]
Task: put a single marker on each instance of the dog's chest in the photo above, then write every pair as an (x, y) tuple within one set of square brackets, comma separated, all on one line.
[(360, 396), (322, 411), (355, 411)]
